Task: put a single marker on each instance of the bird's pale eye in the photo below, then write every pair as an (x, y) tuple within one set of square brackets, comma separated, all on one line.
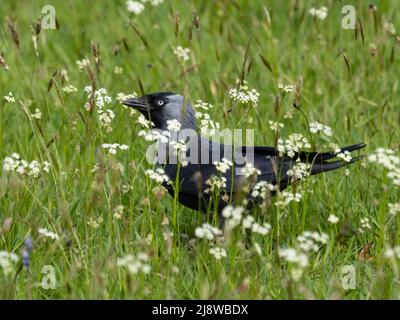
[(160, 102)]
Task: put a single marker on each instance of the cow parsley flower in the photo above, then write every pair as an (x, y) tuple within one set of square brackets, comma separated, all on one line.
[(158, 175), (299, 171), (215, 184), (9, 98), (391, 162), (345, 155), (113, 147), (223, 166), (134, 6), (394, 208), (144, 122), (7, 260), (292, 255), (37, 115), (48, 234), (15, 163), (249, 170), (83, 64), (321, 13), (260, 189), (233, 215), (292, 145), (244, 94), (261, 229), (70, 89), (311, 241), (174, 125), (333, 219), (208, 127), (135, 264), (118, 70), (274, 126), (182, 53), (316, 127), (218, 252), (285, 197), (285, 88), (200, 104), (207, 231), (364, 225)]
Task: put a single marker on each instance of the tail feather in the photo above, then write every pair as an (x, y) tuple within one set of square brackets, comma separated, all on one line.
[(328, 166), (318, 157)]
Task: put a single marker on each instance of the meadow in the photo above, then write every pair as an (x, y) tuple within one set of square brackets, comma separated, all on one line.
[(81, 219)]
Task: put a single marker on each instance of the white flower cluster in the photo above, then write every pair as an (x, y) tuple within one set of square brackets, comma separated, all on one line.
[(48, 234), (285, 88), (37, 115), (218, 252), (215, 184), (32, 169), (200, 104), (9, 98), (7, 260), (137, 7), (260, 189), (223, 166), (294, 143), (333, 219), (121, 97), (208, 127), (207, 231), (233, 215), (182, 53), (392, 252), (244, 94), (158, 175), (364, 225), (95, 223), (101, 100), (274, 126), (135, 264), (249, 170), (180, 149), (174, 125), (316, 127), (321, 13), (118, 70), (286, 197), (311, 241), (388, 160), (118, 211), (83, 64), (295, 256), (113, 147), (299, 171), (345, 156), (155, 135), (394, 208), (70, 89), (144, 122)]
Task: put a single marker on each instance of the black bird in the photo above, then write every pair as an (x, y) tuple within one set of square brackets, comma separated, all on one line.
[(273, 167)]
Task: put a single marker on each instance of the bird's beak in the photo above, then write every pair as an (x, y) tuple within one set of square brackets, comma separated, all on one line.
[(137, 103)]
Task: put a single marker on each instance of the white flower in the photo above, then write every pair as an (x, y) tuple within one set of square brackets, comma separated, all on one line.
[(23, 167), (285, 197), (364, 225), (144, 122), (394, 208), (292, 145), (112, 147), (7, 260), (118, 70), (299, 171), (233, 215), (134, 6), (202, 105), (294, 256), (135, 264), (260, 189), (333, 219), (119, 211), (37, 115), (155, 135), (392, 252), (274, 126), (218, 252), (174, 125), (70, 89), (316, 127), (247, 222), (95, 223), (387, 159), (249, 170), (223, 166), (182, 53), (244, 95), (308, 241), (345, 155), (215, 183), (9, 98), (121, 97), (83, 64), (285, 88), (261, 229), (207, 231), (320, 13), (158, 175), (48, 234), (208, 127)]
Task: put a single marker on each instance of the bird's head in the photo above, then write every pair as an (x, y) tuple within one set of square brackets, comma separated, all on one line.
[(162, 106)]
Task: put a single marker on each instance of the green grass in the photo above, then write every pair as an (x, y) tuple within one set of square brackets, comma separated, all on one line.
[(359, 102)]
